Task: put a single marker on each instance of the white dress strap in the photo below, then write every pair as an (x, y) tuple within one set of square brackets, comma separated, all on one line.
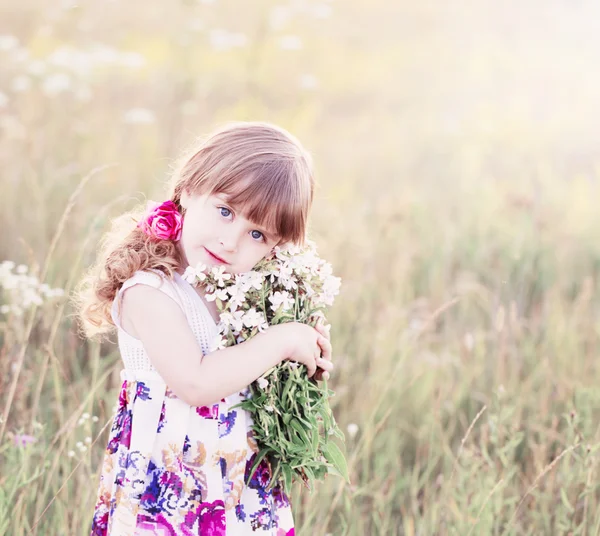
[(153, 279)]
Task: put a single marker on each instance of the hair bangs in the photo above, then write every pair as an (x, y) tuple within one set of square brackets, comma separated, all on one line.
[(271, 198)]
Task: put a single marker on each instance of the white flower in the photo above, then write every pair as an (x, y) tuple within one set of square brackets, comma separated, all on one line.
[(220, 294), (251, 280), (283, 299), (8, 42), (218, 343), (269, 408), (219, 274), (56, 83), (225, 40), (309, 82), (233, 320), (189, 275), (253, 318), (262, 383), (139, 116), (290, 42), (237, 295), (352, 429), (321, 11), (71, 453)]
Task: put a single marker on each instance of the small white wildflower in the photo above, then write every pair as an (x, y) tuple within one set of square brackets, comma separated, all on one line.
[(218, 272), (218, 343), (4, 309), (281, 299), (250, 280), (189, 275), (8, 42), (225, 40), (71, 453), (290, 42), (352, 429), (85, 416), (94, 418), (22, 269), (139, 116), (253, 318), (269, 408), (79, 444), (469, 341), (233, 320), (37, 67), (88, 440), (220, 294), (321, 11), (56, 83), (263, 383), (309, 82)]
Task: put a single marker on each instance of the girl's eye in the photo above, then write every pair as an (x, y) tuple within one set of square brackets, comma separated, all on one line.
[(225, 212), (257, 235)]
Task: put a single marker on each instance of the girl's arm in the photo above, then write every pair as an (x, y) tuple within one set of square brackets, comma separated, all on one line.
[(160, 324)]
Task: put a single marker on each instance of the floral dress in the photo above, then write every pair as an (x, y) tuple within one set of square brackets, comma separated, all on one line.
[(175, 469)]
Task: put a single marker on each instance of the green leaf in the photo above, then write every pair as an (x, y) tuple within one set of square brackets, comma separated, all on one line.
[(334, 456), (287, 478)]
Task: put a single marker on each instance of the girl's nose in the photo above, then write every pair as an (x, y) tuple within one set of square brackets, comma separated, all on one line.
[(231, 238)]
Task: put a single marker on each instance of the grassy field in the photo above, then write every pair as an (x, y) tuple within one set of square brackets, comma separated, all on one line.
[(457, 160)]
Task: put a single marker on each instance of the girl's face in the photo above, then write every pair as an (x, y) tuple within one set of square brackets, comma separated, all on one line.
[(215, 234)]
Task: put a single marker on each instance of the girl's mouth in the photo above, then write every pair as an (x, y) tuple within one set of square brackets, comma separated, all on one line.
[(216, 258)]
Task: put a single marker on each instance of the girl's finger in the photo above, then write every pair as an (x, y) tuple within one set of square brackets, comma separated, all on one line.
[(324, 330), (325, 364), (325, 346)]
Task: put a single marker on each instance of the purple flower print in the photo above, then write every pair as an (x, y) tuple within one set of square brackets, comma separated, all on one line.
[(261, 477), (163, 491), (239, 512), (120, 433), (263, 519), (210, 518), (208, 412), (142, 391), (226, 423), (161, 419), (100, 521), (280, 498), (158, 525)]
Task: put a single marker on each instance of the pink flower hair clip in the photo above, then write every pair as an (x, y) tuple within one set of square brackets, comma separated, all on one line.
[(162, 221)]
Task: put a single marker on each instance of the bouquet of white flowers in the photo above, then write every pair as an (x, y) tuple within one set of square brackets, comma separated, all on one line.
[(293, 422)]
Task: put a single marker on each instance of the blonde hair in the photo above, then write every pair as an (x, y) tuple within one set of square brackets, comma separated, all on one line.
[(262, 169)]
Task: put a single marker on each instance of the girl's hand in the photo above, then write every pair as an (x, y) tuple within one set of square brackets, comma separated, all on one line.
[(324, 364), (299, 343)]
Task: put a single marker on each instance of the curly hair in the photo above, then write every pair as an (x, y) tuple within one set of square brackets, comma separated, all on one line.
[(262, 169)]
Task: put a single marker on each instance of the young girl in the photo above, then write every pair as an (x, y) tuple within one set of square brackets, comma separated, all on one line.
[(178, 456)]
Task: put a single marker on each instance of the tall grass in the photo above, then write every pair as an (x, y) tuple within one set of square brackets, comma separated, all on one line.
[(465, 231)]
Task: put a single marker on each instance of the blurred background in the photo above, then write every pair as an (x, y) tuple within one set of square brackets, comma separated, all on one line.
[(456, 151)]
